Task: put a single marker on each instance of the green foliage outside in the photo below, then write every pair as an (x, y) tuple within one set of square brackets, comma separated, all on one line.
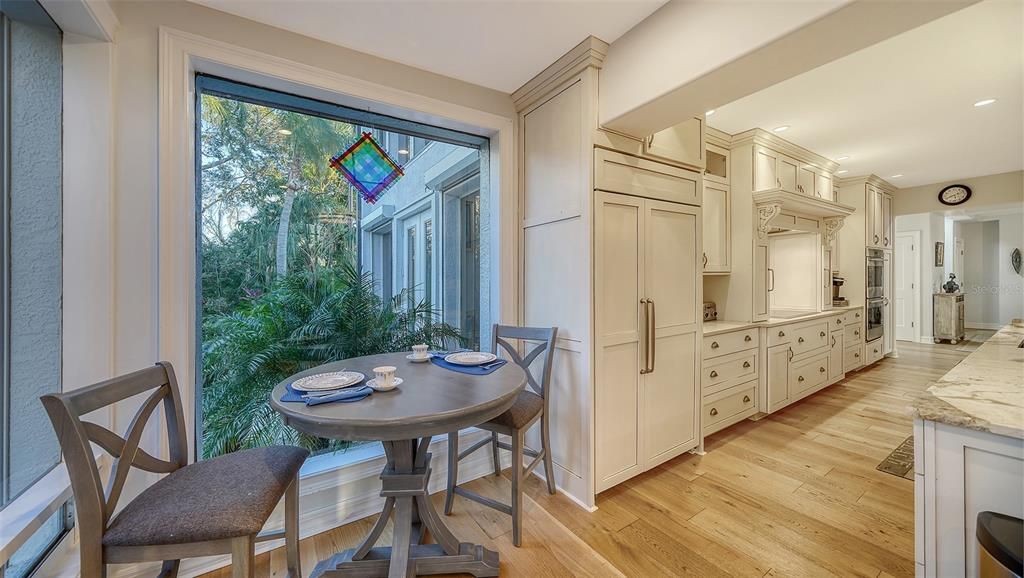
[(281, 289)]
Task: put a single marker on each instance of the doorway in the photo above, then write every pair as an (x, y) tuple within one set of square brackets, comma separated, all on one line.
[(906, 284)]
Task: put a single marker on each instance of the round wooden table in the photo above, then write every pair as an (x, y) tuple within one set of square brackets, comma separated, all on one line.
[(431, 401)]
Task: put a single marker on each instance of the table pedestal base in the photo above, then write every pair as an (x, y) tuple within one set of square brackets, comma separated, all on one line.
[(404, 485)]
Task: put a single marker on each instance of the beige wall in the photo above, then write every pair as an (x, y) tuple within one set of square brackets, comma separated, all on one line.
[(990, 191)]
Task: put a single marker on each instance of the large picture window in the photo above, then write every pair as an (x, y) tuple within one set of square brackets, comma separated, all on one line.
[(297, 270)]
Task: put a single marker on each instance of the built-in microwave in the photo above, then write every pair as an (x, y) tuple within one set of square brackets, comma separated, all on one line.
[(874, 276)]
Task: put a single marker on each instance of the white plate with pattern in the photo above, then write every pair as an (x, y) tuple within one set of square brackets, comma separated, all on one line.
[(328, 381), (470, 358)]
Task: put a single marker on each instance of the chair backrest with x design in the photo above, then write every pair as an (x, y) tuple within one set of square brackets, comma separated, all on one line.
[(545, 338), (94, 503)]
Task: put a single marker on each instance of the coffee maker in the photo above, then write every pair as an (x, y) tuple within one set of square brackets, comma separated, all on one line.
[(838, 300)]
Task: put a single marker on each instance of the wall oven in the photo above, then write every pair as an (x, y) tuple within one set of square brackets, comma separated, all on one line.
[(874, 275), (874, 326)]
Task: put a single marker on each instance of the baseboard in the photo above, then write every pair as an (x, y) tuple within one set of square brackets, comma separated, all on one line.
[(990, 326), (927, 339)]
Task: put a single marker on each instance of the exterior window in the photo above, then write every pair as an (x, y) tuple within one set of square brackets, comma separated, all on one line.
[(30, 243), (296, 270)]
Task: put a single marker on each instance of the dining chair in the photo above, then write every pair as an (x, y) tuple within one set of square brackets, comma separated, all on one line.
[(529, 407), (212, 507)]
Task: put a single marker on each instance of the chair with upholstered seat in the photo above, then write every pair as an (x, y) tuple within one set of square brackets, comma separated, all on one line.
[(529, 407), (217, 506)]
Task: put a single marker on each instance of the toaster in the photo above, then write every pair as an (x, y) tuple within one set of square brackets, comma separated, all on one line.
[(710, 311)]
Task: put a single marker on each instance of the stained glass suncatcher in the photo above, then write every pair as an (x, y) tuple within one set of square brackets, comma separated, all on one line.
[(368, 167)]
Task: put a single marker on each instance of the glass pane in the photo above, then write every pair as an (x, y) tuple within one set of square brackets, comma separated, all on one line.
[(31, 244), (25, 559), (293, 262)]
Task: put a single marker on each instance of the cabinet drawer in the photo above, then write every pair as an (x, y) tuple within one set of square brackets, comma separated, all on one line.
[(854, 333), (873, 351), (619, 173), (726, 343), (837, 322), (809, 374), (810, 337), (727, 369), (853, 357), (853, 317), (780, 335), (729, 404)]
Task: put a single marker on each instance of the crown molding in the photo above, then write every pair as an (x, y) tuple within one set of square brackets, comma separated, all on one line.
[(590, 52), (717, 137), (775, 142), (865, 180)]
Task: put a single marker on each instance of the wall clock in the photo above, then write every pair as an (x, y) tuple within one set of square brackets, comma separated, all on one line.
[(955, 195)]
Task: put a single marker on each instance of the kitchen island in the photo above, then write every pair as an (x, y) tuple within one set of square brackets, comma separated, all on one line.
[(969, 453)]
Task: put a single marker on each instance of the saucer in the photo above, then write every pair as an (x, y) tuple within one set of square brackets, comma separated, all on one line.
[(372, 384), (412, 357)]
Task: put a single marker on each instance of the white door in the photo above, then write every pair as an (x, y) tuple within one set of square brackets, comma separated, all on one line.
[(671, 283), (618, 263), (717, 233), (906, 286)]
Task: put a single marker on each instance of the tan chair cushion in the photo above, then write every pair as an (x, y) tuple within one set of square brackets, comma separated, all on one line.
[(224, 497), (526, 407)]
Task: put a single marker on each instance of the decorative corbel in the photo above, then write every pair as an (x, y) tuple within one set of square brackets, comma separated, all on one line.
[(765, 213), (832, 226)]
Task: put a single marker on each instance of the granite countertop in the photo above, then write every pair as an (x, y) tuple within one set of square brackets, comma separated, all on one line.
[(725, 326), (985, 392)]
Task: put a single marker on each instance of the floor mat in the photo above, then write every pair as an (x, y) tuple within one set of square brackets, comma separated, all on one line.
[(901, 461)]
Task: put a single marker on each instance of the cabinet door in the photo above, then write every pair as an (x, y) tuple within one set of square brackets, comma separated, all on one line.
[(786, 171), (823, 187), (619, 336), (765, 169), (670, 389), (806, 180), (777, 381), (835, 355), (763, 279), (826, 277), (874, 206), (682, 143), (717, 228), (887, 238), (716, 164)]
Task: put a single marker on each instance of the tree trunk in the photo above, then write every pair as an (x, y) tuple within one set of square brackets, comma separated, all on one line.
[(282, 233)]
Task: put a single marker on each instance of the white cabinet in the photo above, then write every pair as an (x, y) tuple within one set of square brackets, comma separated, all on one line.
[(878, 206), (647, 324), (620, 173), (717, 228), (716, 164), (786, 173), (765, 169), (887, 222), (763, 281), (806, 181), (777, 377), (836, 353), (823, 187), (683, 143)]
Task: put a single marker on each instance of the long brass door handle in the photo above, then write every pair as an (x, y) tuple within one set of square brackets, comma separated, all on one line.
[(645, 338), (653, 334), (791, 354)]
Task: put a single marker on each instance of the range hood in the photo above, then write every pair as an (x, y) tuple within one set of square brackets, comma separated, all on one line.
[(779, 210)]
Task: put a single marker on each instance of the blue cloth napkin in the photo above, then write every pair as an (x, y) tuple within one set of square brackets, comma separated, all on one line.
[(438, 360), (347, 394)]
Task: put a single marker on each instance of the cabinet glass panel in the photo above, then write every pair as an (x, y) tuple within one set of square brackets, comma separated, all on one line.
[(717, 164)]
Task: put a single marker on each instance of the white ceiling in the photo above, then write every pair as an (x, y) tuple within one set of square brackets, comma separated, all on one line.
[(906, 105), (500, 44)]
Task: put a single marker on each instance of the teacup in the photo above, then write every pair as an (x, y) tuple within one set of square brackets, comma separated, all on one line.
[(419, 351), (385, 375)]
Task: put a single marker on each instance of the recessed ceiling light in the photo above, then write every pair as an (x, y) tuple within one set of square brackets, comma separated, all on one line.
[(710, 112), (984, 102), (403, 151), (842, 172), (284, 131), (782, 128), (896, 176), (843, 158)]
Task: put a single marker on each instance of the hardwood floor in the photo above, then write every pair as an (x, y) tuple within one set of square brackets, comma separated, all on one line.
[(794, 494)]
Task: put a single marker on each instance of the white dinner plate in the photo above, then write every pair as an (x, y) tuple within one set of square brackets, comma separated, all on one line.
[(470, 358), (328, 381)]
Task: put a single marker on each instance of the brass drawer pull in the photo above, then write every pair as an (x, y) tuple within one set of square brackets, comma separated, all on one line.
[(856, 355), (822, 334), (839, 321), (714, 411), (746, 399), (714, 374), (857, 332), (821, 370), (714, 345), (782, 334), (801, 378), (747, 338), (800, 340), (746, 364), (857, 315)]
